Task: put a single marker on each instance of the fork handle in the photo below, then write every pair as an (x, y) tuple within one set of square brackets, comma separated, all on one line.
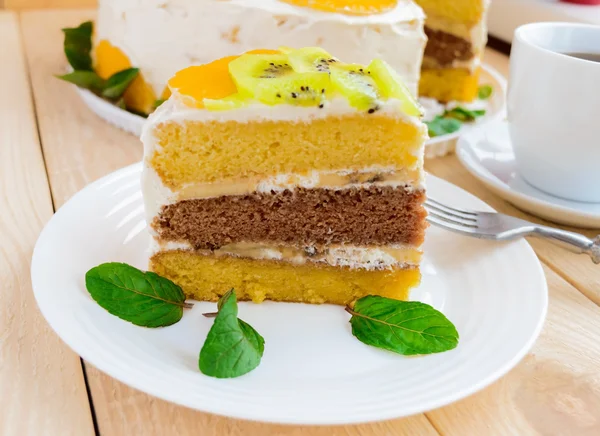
[(570, 240)]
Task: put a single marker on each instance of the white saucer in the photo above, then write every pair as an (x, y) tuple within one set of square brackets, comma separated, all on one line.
[(313, 370), (486, 152), (435, 147)]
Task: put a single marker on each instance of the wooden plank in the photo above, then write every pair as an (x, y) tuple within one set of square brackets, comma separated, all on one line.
[(40, 4), (555, 390), (79, 148), (41, 380)]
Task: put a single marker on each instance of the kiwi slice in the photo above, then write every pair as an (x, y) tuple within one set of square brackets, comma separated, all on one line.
[(390, 85), (356, 84), (271, 79), (311, 59)]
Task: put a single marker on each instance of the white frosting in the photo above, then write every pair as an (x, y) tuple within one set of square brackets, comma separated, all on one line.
[(281, 182), (164, 36), (370, 258)]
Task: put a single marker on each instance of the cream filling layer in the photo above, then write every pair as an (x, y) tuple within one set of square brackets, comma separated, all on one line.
[(370, 258), (157, 195)]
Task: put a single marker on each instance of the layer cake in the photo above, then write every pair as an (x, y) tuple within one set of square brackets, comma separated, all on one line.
[(289, 176), (457, 35)]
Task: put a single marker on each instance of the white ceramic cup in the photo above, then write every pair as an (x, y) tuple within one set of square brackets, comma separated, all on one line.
[(554, 109)]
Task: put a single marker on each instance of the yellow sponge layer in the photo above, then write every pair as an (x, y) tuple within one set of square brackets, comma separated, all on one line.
[(469, 11), (206, 278), (449, 84), (197, 152)]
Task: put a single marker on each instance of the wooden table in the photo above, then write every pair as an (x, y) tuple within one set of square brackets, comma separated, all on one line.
[(51, 146)]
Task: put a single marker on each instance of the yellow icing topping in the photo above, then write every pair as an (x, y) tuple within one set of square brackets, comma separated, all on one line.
[(348, 7)]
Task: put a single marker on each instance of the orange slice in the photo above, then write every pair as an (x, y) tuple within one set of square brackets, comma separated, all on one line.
[(139, 96), (348, 7), (210, 80)]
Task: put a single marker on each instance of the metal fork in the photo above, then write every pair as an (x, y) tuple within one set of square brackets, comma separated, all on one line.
[(499, 227)]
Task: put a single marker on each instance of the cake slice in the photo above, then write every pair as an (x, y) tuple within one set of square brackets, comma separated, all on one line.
[(457, 35), (289, 176)]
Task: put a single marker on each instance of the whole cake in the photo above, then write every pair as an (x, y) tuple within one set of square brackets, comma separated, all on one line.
[(287, 175), (163, 36), (457, 35)]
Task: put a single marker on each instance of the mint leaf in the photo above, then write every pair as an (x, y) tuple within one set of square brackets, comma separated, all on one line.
[(404, 327), (484, 92), (232, 347), (84, 79), (142, 298), (118, 83), (442, 126), (78, 46), (463, 114)]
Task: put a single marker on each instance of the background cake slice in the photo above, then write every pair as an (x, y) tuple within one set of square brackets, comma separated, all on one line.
[(457, 35), (288, 175)]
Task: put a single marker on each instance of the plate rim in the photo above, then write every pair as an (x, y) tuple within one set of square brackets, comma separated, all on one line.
[(464, 154), (105, 367)]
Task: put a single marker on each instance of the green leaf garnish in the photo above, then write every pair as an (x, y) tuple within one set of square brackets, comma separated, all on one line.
[(118, 83), (232, 347), (78, 46), (484, 92), (404, 327), (442, 126), (84, 79), (142, 298), (463, 114)]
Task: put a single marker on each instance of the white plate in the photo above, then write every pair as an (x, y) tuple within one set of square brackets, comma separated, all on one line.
[(436, 147), (486, 152), (313, 370)]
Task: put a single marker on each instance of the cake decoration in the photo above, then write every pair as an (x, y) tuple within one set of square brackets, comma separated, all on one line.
[(303, 77)]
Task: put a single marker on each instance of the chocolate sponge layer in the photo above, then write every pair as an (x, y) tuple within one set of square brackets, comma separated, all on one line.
[(446, 48), (303, 217)]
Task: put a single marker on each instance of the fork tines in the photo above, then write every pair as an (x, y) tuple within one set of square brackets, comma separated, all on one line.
[(449, 217)]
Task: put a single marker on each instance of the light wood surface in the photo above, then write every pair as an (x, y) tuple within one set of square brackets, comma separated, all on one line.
[(554, 391), (42, 390), (39, 4)]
